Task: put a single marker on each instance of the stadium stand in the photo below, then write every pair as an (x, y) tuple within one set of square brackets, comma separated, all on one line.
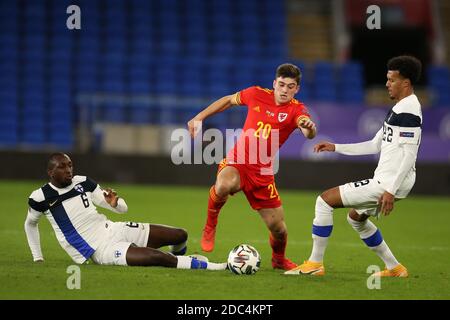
[(178, 54)]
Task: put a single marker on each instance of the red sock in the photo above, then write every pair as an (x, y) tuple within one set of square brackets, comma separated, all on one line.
[(215, 203), (278, 246)]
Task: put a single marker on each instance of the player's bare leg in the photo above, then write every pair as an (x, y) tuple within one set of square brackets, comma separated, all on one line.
[(161, 235), (274, 220), (145, 256), (333, 197), (228, 181), (138, 256)]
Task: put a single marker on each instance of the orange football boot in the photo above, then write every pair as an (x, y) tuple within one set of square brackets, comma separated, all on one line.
[(399, 271), (308, 268)]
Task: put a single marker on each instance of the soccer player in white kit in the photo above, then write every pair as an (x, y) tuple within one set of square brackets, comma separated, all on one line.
[(69, 203), (398, 143)]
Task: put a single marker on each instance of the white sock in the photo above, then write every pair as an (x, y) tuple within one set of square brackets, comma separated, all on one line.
[(184, 262), (216, 266), (370, 234), (322, 227), (385, 254), (319, 247)]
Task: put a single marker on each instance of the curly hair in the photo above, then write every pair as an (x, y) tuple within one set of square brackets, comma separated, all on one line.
[(409, 67)]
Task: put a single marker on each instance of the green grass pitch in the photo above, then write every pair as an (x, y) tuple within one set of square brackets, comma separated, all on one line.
[(417, 232)]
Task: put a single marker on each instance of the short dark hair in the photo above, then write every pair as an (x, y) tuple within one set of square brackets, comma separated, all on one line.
[(53, 159), (409, 67), (289, 70)]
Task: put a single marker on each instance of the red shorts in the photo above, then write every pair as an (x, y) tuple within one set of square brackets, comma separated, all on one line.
[(260, 191)]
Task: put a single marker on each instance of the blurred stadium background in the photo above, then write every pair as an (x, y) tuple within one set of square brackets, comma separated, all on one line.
[(111, 93)]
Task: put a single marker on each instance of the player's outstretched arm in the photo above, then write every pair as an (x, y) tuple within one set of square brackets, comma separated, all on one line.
[(357, 149), (32, 233), (194, 125), (324, 146)]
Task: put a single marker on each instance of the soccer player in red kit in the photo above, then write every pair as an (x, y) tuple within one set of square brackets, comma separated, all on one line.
[(272, 116)]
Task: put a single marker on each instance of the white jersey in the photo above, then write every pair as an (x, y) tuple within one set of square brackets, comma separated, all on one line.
[(398, 143), (402, 126), (71, 211)]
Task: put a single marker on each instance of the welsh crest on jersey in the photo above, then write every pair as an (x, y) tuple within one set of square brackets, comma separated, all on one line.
[(282, 116)]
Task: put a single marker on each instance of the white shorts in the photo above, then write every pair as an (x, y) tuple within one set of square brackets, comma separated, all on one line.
[(362, 196), (113, 249)]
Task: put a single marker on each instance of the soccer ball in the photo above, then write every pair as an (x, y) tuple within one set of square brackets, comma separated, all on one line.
[(244, 259)]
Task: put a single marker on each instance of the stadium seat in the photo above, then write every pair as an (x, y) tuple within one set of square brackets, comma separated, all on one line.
[(113, 111), (350, 83), (439, 83), (61, 134), (196, 50), (8, 24), (8, 102), (139, 86), (9, 42), (195, 6), (88, 46), (60, 59), (8, 131), (193, 88), (250, 48), (324, 88), (192, 80), (141, 29), (8, 82), (167, 116), (170, 48), (225, 48), (140, 114), (113, 85), (33, 131), (141, 45)]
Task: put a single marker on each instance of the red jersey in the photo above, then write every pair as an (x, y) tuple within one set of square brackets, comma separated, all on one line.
[(266, 128)]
